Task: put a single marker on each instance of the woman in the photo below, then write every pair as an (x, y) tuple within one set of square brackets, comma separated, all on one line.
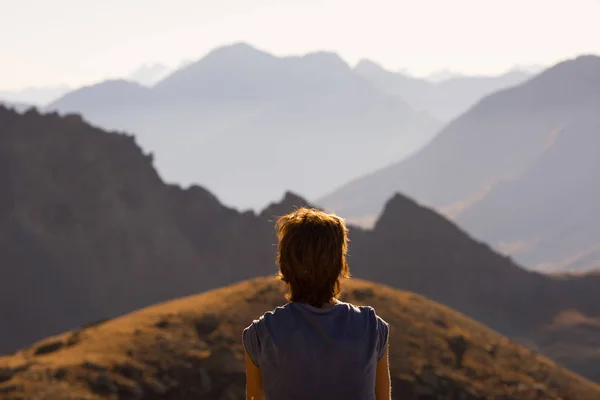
[(315, 346)]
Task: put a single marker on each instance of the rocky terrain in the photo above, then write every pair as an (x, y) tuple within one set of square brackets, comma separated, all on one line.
[(191, 348), (89, 231)]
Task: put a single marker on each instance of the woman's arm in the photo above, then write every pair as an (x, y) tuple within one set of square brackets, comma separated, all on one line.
[(254, 385), (383, 388)]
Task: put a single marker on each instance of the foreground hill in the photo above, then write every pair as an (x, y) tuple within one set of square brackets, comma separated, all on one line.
[(191, 348), (243, 122), (89, 231), (444, 100), (518, 170)]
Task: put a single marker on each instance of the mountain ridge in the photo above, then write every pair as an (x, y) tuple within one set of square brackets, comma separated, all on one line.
[(99, 234), (446, 99)]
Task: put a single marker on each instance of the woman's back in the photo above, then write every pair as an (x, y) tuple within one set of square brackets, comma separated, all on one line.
[(316, 347), (305, 352)]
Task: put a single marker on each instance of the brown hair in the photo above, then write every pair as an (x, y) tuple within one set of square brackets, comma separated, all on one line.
[(312, 255)]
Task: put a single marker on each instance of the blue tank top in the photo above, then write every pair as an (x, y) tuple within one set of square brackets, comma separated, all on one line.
[(305, 352)]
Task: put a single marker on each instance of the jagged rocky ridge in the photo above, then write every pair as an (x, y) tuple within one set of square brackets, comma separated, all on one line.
[(89, 231)]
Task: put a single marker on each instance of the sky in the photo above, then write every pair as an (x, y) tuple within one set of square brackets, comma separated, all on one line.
[(77, 42)]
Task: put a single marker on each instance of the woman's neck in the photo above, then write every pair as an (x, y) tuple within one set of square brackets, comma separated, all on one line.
[(330, 303)]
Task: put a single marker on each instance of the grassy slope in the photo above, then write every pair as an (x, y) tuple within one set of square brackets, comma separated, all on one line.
[(190, 348)]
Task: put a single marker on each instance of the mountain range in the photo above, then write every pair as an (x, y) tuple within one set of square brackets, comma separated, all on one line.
[(227, 119), (243, 122), (445, 99), (190, 349), (518, 170), (447, 74), (89, 231), (147, 75)]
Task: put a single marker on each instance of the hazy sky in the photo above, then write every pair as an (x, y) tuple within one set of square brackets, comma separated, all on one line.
[(49, 42)]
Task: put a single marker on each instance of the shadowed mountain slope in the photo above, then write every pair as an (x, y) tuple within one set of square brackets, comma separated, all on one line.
[(89, 230), (190, 348), (518, 170)]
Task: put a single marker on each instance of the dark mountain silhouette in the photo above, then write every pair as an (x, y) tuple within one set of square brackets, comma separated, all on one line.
[(190, 348), (89, 231), (246, 123), (445, 100), (519, 170)]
